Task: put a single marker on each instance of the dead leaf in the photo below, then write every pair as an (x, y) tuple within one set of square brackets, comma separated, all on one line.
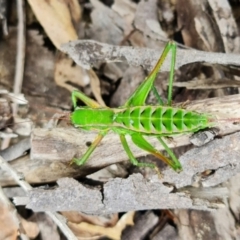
[(126, 9), (115, 232), (146, 20), (95, 86), (70, 76), (197, 26), (66, 72), (31, 228), (9, 224), (223, 15), (78, 217), (57, 18)]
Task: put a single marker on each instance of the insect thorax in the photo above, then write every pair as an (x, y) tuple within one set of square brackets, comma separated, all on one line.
[(160, 120), (92, 117)]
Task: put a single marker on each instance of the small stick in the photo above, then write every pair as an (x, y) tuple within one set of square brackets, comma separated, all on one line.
[(21, 46)]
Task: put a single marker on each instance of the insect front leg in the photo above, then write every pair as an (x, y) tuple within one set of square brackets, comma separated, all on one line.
[(81, 96), (132, 159), (139, 140), (86, 155)]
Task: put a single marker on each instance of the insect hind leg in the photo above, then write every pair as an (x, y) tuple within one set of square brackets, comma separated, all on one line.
[(139, 96), (139, 140), (132, 159), (176, 164)]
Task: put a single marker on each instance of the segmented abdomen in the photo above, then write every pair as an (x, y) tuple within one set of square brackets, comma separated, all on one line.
[(160, 120)]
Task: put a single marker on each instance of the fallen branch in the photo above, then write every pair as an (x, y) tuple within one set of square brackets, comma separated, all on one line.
[(88, 52), (122, 195)]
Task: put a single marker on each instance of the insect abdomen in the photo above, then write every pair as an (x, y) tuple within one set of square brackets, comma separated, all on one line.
[(160, 120)]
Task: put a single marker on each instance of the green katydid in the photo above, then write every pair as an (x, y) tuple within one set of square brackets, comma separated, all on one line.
[(136, 119)]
